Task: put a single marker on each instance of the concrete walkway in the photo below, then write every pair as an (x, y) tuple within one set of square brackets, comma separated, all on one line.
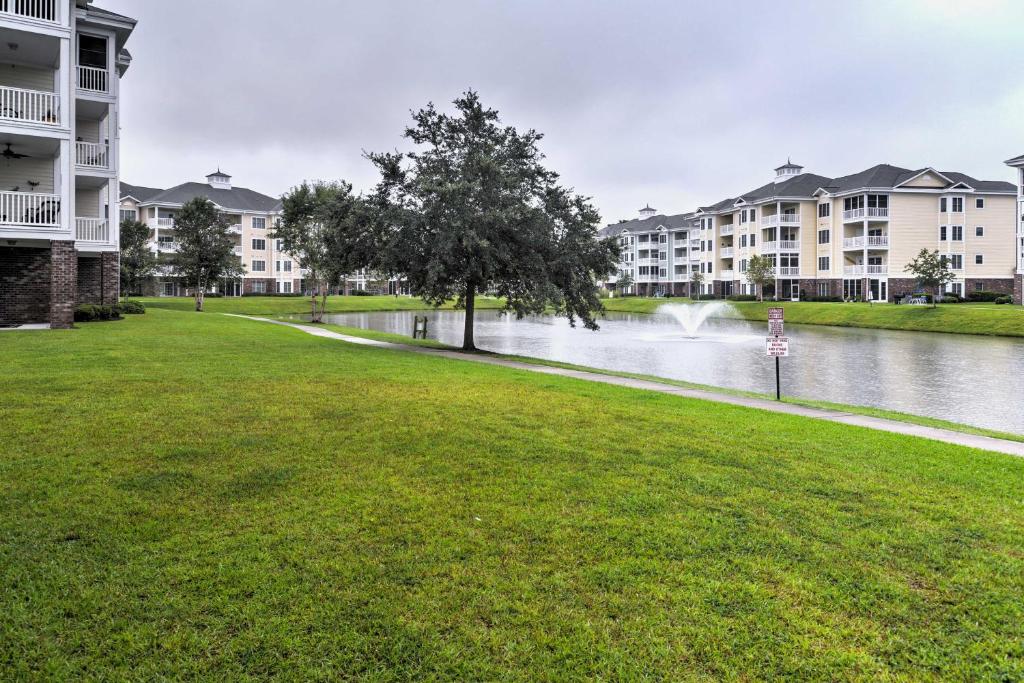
[(987, 443)]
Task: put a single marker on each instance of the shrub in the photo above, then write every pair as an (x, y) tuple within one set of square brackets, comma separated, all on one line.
[(706, 297), (291, 294), (133, 307), (90, 312), (360, 292), (1004, 300), (829, 299), (741, 297), (950, 299), (983, 296)]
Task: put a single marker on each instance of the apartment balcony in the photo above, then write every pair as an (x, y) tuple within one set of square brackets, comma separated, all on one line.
[(93, 156), (695, 256), (780, 219), (871, 213), (866, 270), (92, 229), (726, 274), (165, 222), (781, 245), (237, 251), (93, 80), (787, 271), (30, 210), (36, 10), (29, 106), (235, 229), (726, 229), (726, 252), (871, 241), (166, 247)]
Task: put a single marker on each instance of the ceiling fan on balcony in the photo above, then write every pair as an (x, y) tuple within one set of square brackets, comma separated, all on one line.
[(11, 154)]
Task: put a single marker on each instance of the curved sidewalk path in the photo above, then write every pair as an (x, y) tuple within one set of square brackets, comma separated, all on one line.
[(987, 443)]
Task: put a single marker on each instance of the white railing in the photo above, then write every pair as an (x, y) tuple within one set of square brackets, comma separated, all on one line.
[(695, 256), (30, 208), (237, 251), (852, 214), (726, 252), (726, 274), (43, 10), (878, 212), (91, 230), (92, 79), (92, 154), (167, 246), (726, 229), (37, 106), (165, 222), (782, 245), (780, 219), (788, 271), (694, 242), (872, 242), (870, 270), (235, 229)]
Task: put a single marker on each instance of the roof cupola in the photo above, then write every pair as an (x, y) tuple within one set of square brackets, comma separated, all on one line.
[(219, 180), (787, 171), (647, 212)]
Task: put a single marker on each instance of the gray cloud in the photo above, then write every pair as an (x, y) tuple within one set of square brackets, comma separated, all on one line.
[(672, 103)]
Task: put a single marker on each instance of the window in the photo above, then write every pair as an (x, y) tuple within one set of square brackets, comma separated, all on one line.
[(259, 288), (979, 203), (642, 238), (958, 205), (259, 223), (979, 231), (129, 215), (259, 245), (823, 210), (878, 201), (958, 233), (679, 252), (259, 266), (942, 205), (166, 239), (284, 287), (853, 203), (743, 241), (278, 245), (979, 259), (823, 263), (942, 233), (752, 213), (752, 241), (743, 265), (979, 286), (956, 261), (661, 273), (662, 238), (92, 51), (824, 236)]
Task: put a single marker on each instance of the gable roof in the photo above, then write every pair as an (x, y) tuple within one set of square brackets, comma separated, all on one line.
[(237, 198), (647, 224), (138, 192), (1016, 161)]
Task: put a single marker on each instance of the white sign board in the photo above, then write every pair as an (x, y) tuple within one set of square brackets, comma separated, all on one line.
[(777, 346), (775, 317)]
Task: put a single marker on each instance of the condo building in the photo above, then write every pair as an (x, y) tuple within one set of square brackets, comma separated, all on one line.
[(848, 237), (61, 63), (1018, 281)]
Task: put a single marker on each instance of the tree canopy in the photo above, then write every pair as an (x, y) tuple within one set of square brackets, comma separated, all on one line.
[(138, 262), (473, 210), (205, 247), (760, 272), (931, 270)]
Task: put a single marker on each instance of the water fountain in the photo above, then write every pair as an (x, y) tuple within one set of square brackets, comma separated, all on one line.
[(693, 316)]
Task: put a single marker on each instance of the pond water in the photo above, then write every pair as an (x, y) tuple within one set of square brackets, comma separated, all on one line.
[(969, 379)]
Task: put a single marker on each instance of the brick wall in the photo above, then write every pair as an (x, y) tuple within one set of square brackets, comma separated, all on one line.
[(24, 285), (270, 285), (111, 276), (1018, 289), (63, 283), (1003, 286), (90, 284)]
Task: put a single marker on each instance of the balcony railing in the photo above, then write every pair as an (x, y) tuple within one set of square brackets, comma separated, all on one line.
[(92, 79), (41, 10), (235, 229), (726, 229), (91, 230), (866, 270), (726, 252), (726, 274), (782, 245), (780, 219), (787, 271), (853, 214), (33, 209), (872, 242), (33, 106), (237, 251), (170, 247), (165, 222), (878, 212), (92, 155)]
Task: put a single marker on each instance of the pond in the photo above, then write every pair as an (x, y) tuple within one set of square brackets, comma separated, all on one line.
[(963, 378)]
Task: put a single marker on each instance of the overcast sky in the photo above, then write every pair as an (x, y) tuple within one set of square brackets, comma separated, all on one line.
[(673, 103)]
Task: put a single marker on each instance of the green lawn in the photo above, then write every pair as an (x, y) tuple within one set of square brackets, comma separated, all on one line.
[(197, 496), (285, 305), (989, 319)]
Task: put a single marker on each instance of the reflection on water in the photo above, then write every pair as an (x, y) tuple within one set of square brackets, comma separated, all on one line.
[(969, 379)]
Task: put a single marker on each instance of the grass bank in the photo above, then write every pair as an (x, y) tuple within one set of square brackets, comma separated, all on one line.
[(986, 319), (195, 496), (294, 305)]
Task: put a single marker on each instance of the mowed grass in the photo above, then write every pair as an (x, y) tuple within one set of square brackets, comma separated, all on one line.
[(988, 319), (290, 305), (191, 496)]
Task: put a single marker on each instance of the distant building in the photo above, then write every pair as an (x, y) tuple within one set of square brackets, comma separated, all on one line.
[(849, 237), (1018, 163)]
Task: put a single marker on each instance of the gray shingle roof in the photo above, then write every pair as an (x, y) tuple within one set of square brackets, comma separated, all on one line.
[(138, 191), (1016, 160), (647, 224), (238, 198)]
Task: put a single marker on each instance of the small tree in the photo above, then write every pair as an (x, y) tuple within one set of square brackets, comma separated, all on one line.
[(138, 262), (323, 227), (205, 247), (760, 272), (696, 280), (474, 210), (624, 282), (931, 270)]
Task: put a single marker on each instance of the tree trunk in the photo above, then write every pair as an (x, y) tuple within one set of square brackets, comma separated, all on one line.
[(313, 317), (467, 335), (199, 299)]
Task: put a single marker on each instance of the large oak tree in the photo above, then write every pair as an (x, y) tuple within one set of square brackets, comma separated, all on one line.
[(473, 210)]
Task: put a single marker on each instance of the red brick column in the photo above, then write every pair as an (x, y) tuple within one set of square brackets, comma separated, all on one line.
[(110, 277), (1018, 288), (63, 283)]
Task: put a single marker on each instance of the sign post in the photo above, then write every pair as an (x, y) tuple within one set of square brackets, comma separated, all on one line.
[(776, 345)]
